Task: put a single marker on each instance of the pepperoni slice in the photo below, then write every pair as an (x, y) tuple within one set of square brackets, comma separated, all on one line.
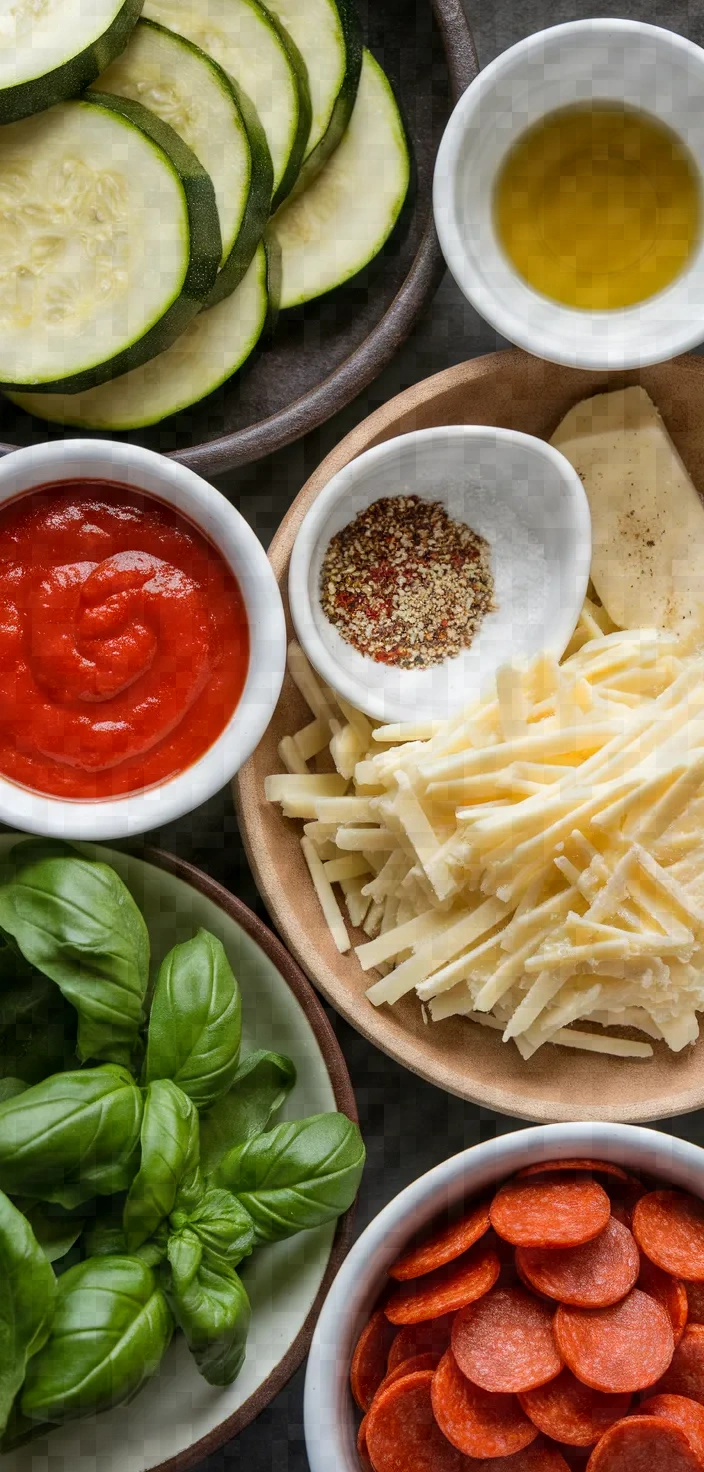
[(669, 1228), (568, 1411), (644, 1444), (410, 1367), (538, 1457), (685, 1375), (619, 1349), (475, 1421), (504, 1342), (368, 1366), (668, 1291), (362, 1448), (559, 1212), (443, 1246), (431, 1337), (695, 1303), (595, 1167), (683, 1412), (594, 1275), (445, 1290), (402, 1434)]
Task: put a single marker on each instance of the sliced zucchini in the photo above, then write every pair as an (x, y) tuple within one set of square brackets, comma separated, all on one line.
[(250, 45), (213, 347), (52, 49), (109, 242), (342, 220), (328, 35), (187, 89)]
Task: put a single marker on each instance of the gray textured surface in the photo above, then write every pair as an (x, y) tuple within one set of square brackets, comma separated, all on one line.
[(408, 1125)]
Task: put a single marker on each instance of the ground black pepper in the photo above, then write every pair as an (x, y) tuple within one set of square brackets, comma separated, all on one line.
[(405, 584)]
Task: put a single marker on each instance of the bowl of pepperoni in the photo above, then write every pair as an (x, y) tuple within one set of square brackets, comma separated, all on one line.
[(142, 640), (534, 1304)]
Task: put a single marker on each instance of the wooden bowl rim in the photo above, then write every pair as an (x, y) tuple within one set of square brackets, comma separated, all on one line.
[(346, 1104)]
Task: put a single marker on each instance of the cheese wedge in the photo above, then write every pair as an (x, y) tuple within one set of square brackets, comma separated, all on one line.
[(647, 518)]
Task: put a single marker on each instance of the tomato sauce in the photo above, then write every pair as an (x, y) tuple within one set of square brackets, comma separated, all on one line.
[(124, 642)]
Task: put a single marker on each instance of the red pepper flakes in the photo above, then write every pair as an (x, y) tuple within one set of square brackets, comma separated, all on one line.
[(405, 584)]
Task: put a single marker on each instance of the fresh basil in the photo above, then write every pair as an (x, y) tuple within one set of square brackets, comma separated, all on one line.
[(258, 1090), (56, 1235), (27, 1302), (170, 1162), (10, 1088), (297, 1175), (77, 923), (105, 1235), (195, 1024), (111, 1329), (185, 1253), (38, 1027), (221, 1224), (71, 1137), (213, 1310)]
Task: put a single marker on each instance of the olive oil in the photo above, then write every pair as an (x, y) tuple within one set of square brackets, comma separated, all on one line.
[(598, 206)]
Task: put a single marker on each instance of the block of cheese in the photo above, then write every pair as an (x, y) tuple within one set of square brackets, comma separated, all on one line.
[(647, 518)]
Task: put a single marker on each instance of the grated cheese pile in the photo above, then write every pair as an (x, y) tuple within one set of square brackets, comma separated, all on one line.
[(533, 863)]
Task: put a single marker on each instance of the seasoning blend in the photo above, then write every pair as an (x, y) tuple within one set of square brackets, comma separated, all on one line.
[(405, 584)]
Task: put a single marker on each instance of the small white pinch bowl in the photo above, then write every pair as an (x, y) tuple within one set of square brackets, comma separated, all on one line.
[(518, 493), (173, 484), (330, 1417), (621, 61)]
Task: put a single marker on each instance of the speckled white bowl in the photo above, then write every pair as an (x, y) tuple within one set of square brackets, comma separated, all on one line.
[(212, 514), (330, 1416)]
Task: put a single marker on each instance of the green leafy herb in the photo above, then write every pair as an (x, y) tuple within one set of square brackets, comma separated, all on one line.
[(71, 1137), (169, 1168), (111, 1329), (221, 1224), (10, 1088), (259, 1088), (27, 1302), (212, 1308), (297, 1175), (196, 1021), (77, 923), (55, 1234)]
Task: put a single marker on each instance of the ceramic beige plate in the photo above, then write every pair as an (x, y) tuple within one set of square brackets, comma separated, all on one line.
[(513, 390), (178, 1419)]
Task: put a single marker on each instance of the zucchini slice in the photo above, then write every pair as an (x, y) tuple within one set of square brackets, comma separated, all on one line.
[(187, 89), (109, 242), (251, 46), (328, 35), (52, 50), (212, 348), (342, 220)]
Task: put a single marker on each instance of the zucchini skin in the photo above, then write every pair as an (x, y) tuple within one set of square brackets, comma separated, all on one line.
[(205, 252), (72, 76), (305, 109), (258, 209), (346, 97)]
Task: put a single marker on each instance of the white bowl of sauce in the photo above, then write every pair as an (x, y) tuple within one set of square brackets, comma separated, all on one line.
[(568, 194), (142, 640)]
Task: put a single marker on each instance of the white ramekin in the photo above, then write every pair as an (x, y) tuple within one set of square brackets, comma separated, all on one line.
[(623, 61), (329, 1414), (212, 514)]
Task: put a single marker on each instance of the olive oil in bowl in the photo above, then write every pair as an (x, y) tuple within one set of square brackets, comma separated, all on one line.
[(598, 207)]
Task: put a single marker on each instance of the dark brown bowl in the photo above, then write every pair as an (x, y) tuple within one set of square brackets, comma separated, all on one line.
[(326, 353)]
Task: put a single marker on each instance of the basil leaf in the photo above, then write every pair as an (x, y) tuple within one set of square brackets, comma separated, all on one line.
[(77, 923), (214, 1312), (196, 1021), (27, 1302), (170, 1161), (105, 1237), (221, 1224), (37, 1025), (71, 1137), (10, 1088), (111, 1329), (259, 1088), (55, 1235), (185, 1254), (20, 1430), (297, 1175)]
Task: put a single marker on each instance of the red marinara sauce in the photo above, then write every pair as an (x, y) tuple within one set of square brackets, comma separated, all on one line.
[(124, 641)]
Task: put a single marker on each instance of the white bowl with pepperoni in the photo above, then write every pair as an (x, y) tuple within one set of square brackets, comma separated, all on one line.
[(142, 640), (533, 1304)]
